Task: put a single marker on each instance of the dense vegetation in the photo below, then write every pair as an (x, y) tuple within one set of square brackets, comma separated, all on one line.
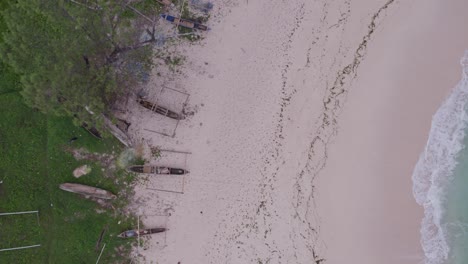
[(62, 63), (75, 59)]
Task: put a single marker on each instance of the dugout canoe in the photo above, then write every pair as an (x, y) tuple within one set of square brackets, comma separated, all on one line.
[(87, 190), (141, 232), (184, 22), (92, 130), (159, 109), (156, 170)]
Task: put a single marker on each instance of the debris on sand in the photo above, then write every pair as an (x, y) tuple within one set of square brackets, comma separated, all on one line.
[(82, 170)]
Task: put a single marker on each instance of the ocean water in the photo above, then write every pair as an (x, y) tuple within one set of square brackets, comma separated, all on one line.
[(440, 179)]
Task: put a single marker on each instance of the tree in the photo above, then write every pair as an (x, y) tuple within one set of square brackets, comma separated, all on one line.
[(73, 58)]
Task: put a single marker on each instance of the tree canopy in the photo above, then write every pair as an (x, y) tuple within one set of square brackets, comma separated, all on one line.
[(72, 58)]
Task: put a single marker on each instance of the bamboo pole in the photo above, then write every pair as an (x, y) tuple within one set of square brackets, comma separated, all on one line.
[(157, 132), (17, 213), (178, 22), (138, 224), (102, 250), (175, 151), (16, 248), (169, 191), (138, 12)]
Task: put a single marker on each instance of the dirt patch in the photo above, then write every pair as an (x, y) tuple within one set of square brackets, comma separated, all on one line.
[(106, 160)]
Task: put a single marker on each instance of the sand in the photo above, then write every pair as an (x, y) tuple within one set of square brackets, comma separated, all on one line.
[(365, 193), (290, 101)]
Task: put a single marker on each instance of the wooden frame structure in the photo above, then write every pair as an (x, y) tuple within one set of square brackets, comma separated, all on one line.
[(173, 132), (20, 213), (181, 191), (138, 227)]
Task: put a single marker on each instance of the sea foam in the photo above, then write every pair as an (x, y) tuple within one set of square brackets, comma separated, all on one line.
[(434, 170)]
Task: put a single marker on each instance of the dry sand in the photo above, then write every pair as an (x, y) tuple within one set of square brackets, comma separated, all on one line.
[(283, 93)]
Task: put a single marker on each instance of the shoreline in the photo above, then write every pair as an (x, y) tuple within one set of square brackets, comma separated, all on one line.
[(384, 130)]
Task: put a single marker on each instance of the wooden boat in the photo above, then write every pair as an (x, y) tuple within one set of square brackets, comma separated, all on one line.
[(116, 131), (156, 170), (141, 232), (87, 190), (159, 109), (184, 22), (122, 124), (92, 130)]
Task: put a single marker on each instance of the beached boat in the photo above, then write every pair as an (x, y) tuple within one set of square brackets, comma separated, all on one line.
[(87, 190), (116, 131), (159, 109), (184, 22), (156, 170), (141, 232), (92, 130)]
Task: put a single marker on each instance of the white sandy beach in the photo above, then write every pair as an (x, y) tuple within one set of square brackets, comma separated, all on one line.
[(308, 120)]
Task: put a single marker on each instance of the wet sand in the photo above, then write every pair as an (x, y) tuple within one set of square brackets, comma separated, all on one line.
[(368, 212)]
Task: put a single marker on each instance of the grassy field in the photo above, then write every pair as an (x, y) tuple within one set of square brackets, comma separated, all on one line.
[(35, 157)]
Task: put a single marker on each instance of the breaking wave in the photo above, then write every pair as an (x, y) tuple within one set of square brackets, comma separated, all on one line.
[(434, 170)]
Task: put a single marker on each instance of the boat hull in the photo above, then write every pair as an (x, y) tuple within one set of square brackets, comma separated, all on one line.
[(87, 190), (142, 232), (160, 110), (148, 169), (184, 22), (92, 130)]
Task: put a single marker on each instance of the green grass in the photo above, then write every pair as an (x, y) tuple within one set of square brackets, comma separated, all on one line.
[(35, 158), (149, 8), (8, 80)]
